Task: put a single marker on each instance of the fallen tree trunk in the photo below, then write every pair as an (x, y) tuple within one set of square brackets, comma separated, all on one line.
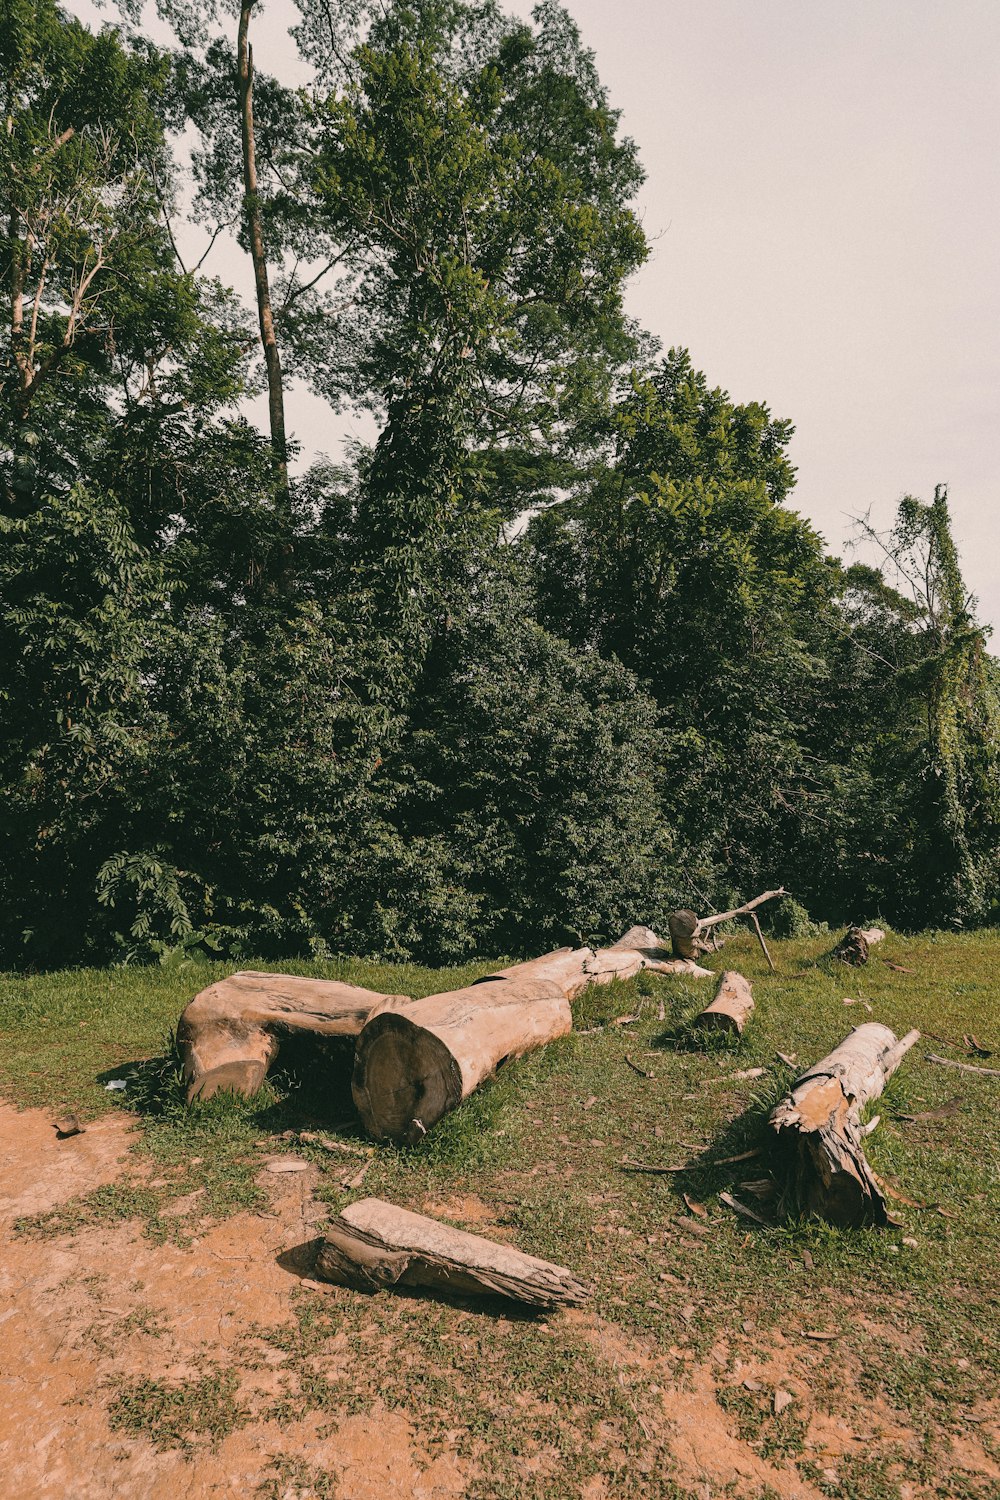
[(230, 1033), (373, 1245), (819, 1122), (854, 945), (417, 1059), (732, 1007), (687, 928)]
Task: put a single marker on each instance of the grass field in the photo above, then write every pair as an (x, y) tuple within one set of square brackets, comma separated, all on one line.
[(682, 1285)]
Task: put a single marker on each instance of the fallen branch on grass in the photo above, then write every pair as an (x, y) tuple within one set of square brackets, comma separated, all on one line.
[(854, 946), (820, 1123), (373, 1245), (949, 1062), (687, 929)]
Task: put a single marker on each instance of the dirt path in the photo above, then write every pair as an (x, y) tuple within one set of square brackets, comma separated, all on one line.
[(83, 1315)]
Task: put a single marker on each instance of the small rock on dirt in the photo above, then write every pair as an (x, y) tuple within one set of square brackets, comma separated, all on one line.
[(288, 1164)]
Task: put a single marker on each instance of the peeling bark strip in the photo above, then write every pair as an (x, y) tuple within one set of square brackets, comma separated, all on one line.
[(229, 1034), (854, 945), (820, 1122), (732, 1007), (417, 1059), (687, 928), (373, 1245)]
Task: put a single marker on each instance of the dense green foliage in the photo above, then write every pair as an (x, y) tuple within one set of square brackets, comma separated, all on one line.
[(368, 721)]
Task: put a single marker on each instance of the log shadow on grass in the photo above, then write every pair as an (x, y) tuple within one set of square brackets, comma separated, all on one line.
[(744, 1150), (309, 1087)]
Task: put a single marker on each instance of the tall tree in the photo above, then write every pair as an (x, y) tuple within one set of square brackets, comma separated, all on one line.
[(255, 240)]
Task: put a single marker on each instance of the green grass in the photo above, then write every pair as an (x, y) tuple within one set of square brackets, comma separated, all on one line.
[(542, 1146)]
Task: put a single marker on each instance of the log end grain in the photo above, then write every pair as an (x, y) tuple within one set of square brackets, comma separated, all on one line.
[(405, 1078)]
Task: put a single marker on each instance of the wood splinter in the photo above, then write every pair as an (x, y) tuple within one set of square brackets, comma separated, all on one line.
[(373, 1245), (820, 1123), (732, 1007)]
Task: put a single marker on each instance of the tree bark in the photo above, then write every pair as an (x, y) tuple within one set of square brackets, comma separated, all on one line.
[(229, 1034), (373, 1245), (732, 1007), (854, 945), (819, 1123), (686, 927), (418, 1059), (255, 237)]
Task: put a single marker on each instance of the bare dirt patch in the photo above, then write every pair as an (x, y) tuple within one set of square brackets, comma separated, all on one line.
[(135, 1369)]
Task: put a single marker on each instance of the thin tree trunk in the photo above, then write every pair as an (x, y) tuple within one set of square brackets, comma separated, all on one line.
[(255, 235)]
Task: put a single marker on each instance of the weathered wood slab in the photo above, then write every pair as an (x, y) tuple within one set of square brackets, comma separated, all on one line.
[(229, 1034), (820, 1124), (373, 1245)]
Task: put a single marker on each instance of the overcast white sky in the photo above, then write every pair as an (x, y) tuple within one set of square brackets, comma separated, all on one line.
[(823, 201)]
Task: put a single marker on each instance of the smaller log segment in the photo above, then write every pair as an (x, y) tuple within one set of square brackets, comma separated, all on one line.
[(416, 1060), (854, 945), (819, 1122), (687, 929), (732, 1007), (373, 1245), (229, 1033)]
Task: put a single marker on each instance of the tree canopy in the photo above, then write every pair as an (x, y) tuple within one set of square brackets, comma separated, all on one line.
[(258, 708)]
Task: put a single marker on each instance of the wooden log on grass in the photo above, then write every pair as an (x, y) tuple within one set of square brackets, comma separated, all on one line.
[(732, 1007), (819, 1122), (416, 1060), (373, 1245), (854, 946), (229, 1034)]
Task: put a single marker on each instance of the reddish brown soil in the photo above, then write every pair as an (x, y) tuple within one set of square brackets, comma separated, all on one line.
[(83, 1311)]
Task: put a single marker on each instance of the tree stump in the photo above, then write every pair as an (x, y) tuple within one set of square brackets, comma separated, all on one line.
[(819, 1122), (373, 1245), (229, 1034)]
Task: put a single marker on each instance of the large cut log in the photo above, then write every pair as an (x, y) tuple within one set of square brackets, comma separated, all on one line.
[(417, 1059), (732, 1007), (854, 945), (229, 1034), (819, 1123), (373, 1245), (687, 929)]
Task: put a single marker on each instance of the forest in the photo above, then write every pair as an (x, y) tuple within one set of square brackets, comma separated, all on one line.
[(552, 654)]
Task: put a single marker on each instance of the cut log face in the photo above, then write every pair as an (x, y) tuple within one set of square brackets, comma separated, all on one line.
[(373, 1245), (820, 1122), (732, 1007), (416, 1060), (229, 1033)]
